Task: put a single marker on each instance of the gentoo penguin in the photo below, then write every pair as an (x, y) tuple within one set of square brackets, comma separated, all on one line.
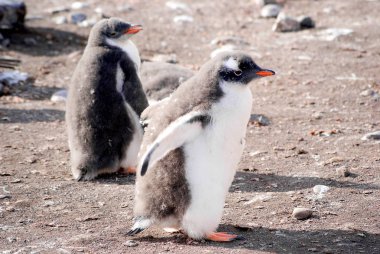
[(105, 101), (191, 148)]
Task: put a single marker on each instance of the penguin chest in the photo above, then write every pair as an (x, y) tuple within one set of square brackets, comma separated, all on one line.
[(213, 156)]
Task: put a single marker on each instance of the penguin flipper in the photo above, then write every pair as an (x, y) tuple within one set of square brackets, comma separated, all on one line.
[(175, 135)]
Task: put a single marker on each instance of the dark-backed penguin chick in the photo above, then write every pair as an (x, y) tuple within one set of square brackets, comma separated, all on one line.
[(105, 101), (191, 148)]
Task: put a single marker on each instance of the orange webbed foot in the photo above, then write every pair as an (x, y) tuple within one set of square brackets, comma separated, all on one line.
[(222, 237), (128, 171)]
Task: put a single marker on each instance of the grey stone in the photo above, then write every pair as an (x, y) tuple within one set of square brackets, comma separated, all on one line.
[(320, 189), (261, 3), (131, 243), (286, 24), (301, 213), (343, 171), (182, 19), (59, 96), (178, 6), (77, 18), (372, 136), (30, 41), (171, 58), (78, 5), (58, 9), (12, 13), (59, 20), (5, 196), (270, 11), (306, 22), (259, 119), (224, 40), (161, 79)]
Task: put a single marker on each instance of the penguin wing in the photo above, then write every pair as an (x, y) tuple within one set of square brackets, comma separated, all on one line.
[(175, 135)]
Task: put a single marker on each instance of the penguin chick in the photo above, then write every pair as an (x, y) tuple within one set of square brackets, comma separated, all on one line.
[(192, 146), (105, 101)]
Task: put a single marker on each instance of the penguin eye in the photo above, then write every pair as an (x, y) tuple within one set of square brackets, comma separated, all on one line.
[(238, 72), (113, 34)]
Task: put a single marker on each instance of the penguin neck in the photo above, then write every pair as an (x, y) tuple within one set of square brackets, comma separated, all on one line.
[(128, 47)]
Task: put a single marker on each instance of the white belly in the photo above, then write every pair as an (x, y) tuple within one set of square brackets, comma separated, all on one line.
[(212, 158)]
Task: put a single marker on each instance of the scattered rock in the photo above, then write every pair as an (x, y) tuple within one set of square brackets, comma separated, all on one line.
[(5, 196), (30, 41), (343, 171), (270, 11), (12, 14), (77, 18), (286, 24), (261, 3), (171, 58), (301, 213), (16, 181), (372, 136), (260, 197), (11, 78), (334, 160), (58, 9), (178, 6), (259, 120), (306, 22), (59, 20), (182, 19), (234, 40), (87, 218), (369, 92), (161, 79), (317, 115), (125, 8), (78, 5), (59, 96), (130, 243), (320, 189)]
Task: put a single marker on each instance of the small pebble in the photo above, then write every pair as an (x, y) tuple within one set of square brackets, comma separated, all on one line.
[(182, 19), (259, 119), (16, 181), (78, 5), (270, 11), (320, 189), (59, 96), (343, 171), (286, 24), (372, 136), (5, 196), (77, 18), (306, 22), (131, 243), (301, 213), (58, 9), (59, 20), (174, 5), (171, 58), (30, 41)]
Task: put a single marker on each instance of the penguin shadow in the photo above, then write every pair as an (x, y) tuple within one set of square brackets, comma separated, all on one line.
[(30, 115), (281, 240), (255, 182), (44, 41), (115, 178)]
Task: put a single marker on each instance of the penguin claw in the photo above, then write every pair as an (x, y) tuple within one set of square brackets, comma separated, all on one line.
[(135, 231), (223, 237)]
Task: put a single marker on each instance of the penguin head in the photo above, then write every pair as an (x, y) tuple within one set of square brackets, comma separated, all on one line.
[(238, 67), (111, 30)]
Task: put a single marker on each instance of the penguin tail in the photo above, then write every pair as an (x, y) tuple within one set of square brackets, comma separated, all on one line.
[(141, 223)]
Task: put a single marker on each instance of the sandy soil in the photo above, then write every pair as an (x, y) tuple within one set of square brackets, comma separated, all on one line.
[(317, 88)]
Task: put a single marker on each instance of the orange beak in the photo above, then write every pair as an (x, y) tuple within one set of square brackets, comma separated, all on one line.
[(134, 29), (265, 73)]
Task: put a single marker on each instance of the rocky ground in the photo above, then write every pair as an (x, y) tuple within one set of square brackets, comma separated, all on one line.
[(322, 101)]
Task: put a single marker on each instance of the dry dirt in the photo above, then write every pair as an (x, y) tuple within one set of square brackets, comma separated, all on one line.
[(317, 88)]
